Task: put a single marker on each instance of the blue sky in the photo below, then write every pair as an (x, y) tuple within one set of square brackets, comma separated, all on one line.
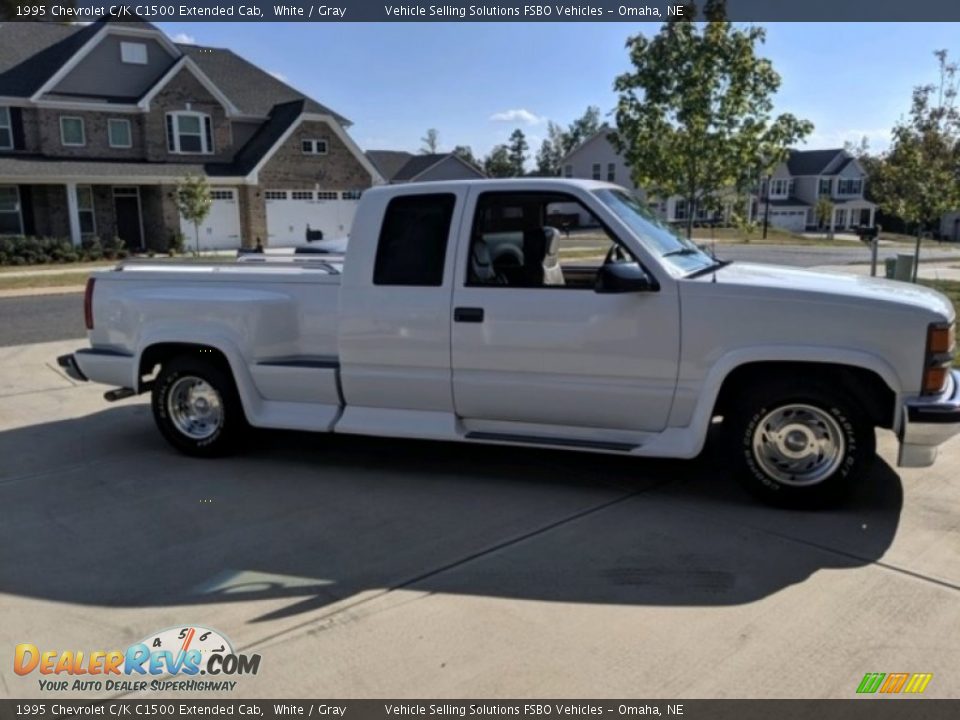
[(476, 82)]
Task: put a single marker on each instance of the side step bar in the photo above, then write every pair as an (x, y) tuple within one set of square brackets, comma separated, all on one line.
[(558, 442), (118, 394)]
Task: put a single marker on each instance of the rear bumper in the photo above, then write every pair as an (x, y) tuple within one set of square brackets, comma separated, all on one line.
[(927, 424), (101, 366)]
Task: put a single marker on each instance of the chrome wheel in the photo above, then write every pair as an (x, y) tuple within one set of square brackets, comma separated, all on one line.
[(195, 408), (798, 445)]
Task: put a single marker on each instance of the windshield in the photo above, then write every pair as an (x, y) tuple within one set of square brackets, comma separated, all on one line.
[(679, 255)]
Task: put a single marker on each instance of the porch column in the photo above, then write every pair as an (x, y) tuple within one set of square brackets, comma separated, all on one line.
[(872, 210), (73, 213)]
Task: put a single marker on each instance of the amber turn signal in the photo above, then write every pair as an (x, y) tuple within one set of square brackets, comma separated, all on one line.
[(941, 339)]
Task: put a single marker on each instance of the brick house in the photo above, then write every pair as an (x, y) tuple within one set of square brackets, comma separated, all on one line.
[(98, 123)]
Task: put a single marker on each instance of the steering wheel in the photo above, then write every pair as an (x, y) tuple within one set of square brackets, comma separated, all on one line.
[(614, 254)]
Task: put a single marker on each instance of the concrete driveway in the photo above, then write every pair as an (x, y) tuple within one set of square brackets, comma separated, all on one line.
[(371, 568)]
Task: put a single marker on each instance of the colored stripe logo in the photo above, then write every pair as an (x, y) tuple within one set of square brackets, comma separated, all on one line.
[(892, 683)]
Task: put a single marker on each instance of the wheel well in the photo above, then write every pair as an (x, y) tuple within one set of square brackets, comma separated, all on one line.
[(157, 355), (875, 397)]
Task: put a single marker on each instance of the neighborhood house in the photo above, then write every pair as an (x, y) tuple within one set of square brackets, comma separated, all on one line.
[(795, 186), (99, 123)]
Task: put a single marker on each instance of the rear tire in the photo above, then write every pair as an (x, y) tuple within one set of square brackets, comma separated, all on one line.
[(799, 445), (197, 408)]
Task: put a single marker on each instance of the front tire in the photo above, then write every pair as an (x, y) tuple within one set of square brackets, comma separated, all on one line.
[(799, 446), (197, 408)]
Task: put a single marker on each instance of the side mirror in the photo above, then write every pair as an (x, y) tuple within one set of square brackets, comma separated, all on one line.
[(624, 278)]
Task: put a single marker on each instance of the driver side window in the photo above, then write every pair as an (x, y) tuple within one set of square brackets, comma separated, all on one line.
[(536, 240)]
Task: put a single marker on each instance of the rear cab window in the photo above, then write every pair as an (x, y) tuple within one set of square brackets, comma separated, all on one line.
[(413, 240)]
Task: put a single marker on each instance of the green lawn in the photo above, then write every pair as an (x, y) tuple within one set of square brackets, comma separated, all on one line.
[(64, 279), (61, 267)]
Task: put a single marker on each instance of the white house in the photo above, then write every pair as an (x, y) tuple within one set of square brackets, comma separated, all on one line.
[(794, 187)]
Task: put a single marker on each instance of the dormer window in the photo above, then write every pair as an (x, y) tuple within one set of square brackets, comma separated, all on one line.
[(313, 147), (189, 133), (849, 186), (779, 187), (133, 53), (6, 129)]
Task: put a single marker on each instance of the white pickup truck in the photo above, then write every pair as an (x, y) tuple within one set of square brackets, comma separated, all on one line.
[(542, 312)]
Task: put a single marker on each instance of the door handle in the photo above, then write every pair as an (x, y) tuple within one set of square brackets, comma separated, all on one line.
[(468, 314)]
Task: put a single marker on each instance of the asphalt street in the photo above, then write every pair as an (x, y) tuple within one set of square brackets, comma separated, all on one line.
[(41, 318), (363, 567)]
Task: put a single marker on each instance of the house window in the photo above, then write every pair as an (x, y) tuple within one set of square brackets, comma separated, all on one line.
[(327, 195), (611, 172), (88, 220), (189, 132), (313, 147), (779, 188), (680, 209), (849, 186), (275, 195), (301, 195), (351, 194), (71, 132), (840, 217), (133, 53), (596, 171), (791, 188), (568, 171), (118, 132), (6, 129), (10, 220), (824, 186)]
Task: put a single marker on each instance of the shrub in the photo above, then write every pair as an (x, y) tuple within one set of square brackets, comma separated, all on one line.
[(91, 249), (114, 249), (176, 245)]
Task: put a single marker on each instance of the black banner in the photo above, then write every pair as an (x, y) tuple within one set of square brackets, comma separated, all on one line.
[(874, 708), (632, 11)]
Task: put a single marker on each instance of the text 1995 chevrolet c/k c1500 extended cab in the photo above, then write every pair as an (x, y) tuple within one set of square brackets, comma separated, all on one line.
[(461, 311)]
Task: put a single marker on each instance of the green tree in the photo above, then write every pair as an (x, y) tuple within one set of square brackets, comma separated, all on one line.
[(824, 213), (696, 110), (498, 164), (918, 179), (194, 201), (517, 149), (581, 129), (431, 142)]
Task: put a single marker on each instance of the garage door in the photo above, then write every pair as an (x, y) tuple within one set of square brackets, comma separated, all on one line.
[(221, 229), (291, 212), (793, 220)]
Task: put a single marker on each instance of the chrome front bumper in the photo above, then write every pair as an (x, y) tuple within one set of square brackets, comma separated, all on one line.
[(927, 424)]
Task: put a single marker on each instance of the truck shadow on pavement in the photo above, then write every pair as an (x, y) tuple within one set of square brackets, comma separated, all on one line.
[(99, 511)]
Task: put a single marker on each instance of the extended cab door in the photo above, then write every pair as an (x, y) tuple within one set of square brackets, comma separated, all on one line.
[(395, 312), (533, 341)]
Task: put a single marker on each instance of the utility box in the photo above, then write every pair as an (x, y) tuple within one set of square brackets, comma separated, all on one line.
[(904, 267)]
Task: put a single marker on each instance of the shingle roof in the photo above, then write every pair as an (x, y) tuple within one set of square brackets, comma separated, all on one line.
[(30, 53), (418, 164), (400, 166), (25, 166), (389, 162), (252, 90), (281, 118), (811, 162)]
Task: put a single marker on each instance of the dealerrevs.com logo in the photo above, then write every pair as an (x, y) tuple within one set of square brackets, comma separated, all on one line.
[(170, 660)]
